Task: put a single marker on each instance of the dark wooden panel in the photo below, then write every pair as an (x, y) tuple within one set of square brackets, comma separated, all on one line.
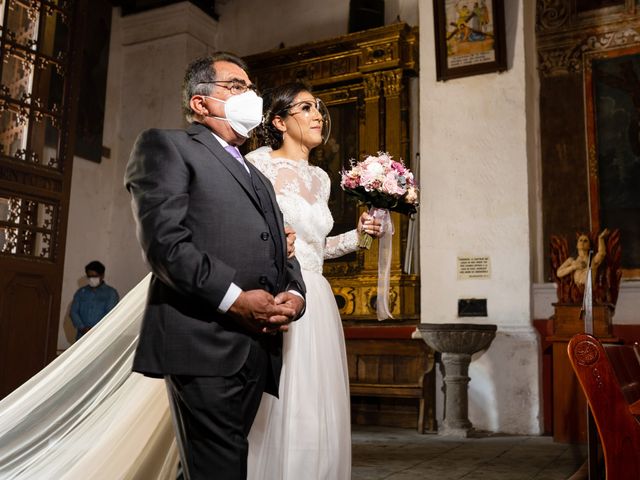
[(586, 5), (392, 382), (25, 316), (565, 186)]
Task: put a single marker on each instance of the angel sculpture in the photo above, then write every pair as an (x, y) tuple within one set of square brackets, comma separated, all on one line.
[(570, 273)]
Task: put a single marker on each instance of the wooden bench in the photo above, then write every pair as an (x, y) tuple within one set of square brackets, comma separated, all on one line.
[(387, 363), (610, 379)]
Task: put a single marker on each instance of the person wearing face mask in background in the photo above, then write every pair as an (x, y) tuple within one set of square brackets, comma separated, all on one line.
[(93, 301), (223, 288), (306, 433)]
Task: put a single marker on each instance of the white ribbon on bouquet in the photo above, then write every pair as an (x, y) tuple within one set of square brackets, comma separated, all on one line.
[(384, 261)]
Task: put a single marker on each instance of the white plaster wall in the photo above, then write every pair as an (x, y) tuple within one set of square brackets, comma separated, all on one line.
[(88, 233), (254, 26), (148, 55), (475, 201)]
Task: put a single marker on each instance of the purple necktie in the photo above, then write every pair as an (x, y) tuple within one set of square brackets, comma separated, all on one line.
[(235, 153)]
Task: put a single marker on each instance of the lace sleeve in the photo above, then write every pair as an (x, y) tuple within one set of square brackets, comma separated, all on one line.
[(344, 243), (340, 245)]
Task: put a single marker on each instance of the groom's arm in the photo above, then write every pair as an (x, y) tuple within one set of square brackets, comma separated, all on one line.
[(158, 180)]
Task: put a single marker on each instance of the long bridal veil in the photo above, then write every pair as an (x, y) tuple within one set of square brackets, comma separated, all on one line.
[(86, 415)]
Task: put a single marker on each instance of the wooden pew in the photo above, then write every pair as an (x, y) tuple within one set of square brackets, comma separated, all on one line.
[(610, 379), (395, 366)]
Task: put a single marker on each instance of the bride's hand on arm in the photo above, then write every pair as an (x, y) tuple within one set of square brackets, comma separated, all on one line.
[(291, 240), (292, 301), (368, 224)]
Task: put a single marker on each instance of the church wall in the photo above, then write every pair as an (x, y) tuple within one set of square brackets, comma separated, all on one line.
[(148, 54), (475, 202)]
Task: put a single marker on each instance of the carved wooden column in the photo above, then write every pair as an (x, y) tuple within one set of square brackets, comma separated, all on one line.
[(395, 129), (372, 83)]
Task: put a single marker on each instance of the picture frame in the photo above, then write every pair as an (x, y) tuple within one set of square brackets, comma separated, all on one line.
[(612, 125), (469, 37)]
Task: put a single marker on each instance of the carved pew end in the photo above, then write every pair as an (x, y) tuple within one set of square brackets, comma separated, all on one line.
[(610, 379)]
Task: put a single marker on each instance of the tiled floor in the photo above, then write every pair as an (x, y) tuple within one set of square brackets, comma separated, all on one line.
[(399, 454)]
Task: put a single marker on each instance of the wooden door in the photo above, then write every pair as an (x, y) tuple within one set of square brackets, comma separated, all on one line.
[(35, 177)]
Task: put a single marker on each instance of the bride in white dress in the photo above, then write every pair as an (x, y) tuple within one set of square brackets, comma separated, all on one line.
[(306, 433)]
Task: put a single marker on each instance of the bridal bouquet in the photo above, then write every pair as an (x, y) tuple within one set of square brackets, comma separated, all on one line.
[(383, 184)]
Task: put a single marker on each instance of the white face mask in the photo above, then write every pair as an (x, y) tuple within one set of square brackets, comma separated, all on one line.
[(243, 112), (94, 281)]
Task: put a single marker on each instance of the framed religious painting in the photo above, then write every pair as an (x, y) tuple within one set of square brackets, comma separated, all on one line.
[(470, 37), (612, 101)]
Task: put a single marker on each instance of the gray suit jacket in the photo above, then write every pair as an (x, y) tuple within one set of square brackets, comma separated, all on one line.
[(201, 227)]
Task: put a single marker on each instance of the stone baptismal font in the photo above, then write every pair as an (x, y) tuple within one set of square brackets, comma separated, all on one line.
[(456, 342)]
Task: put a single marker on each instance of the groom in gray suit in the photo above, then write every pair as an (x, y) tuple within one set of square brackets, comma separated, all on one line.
[(222, 290)]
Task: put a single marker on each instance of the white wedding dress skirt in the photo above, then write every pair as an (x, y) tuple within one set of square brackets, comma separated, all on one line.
[(86, 415), (306, 433)]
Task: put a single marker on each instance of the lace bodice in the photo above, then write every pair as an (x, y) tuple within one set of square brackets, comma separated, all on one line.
[(302, 191)]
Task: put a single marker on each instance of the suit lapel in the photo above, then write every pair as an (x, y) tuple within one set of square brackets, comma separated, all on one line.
[(203, 135)]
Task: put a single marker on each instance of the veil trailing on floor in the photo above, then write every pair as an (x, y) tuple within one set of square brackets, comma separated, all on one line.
[(86, 415)]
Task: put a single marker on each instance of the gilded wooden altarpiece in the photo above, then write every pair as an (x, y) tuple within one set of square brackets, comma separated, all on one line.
[(363, 79), (572, 37)]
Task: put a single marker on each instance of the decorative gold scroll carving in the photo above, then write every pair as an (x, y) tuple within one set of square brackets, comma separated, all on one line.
[(392, 82), (372, 86), (341, 59), (552, 14), (568, 59), (565, 34)]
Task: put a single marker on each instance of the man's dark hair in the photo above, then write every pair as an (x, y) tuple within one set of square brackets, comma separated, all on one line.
[(199, 77), (95, 266)]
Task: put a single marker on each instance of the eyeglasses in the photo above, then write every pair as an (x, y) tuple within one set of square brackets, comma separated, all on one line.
[(305, 107), (236, 87)]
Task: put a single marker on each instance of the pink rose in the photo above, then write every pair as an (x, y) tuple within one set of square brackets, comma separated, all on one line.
[(390, 186), (398, 167)]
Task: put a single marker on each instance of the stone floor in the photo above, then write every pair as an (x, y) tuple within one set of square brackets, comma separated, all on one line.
[(399, 454)]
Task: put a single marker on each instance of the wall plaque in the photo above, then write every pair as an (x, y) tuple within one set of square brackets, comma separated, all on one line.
[(473, 267)]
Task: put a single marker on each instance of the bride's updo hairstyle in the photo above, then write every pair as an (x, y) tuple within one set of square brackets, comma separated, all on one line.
[(277, 101)]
